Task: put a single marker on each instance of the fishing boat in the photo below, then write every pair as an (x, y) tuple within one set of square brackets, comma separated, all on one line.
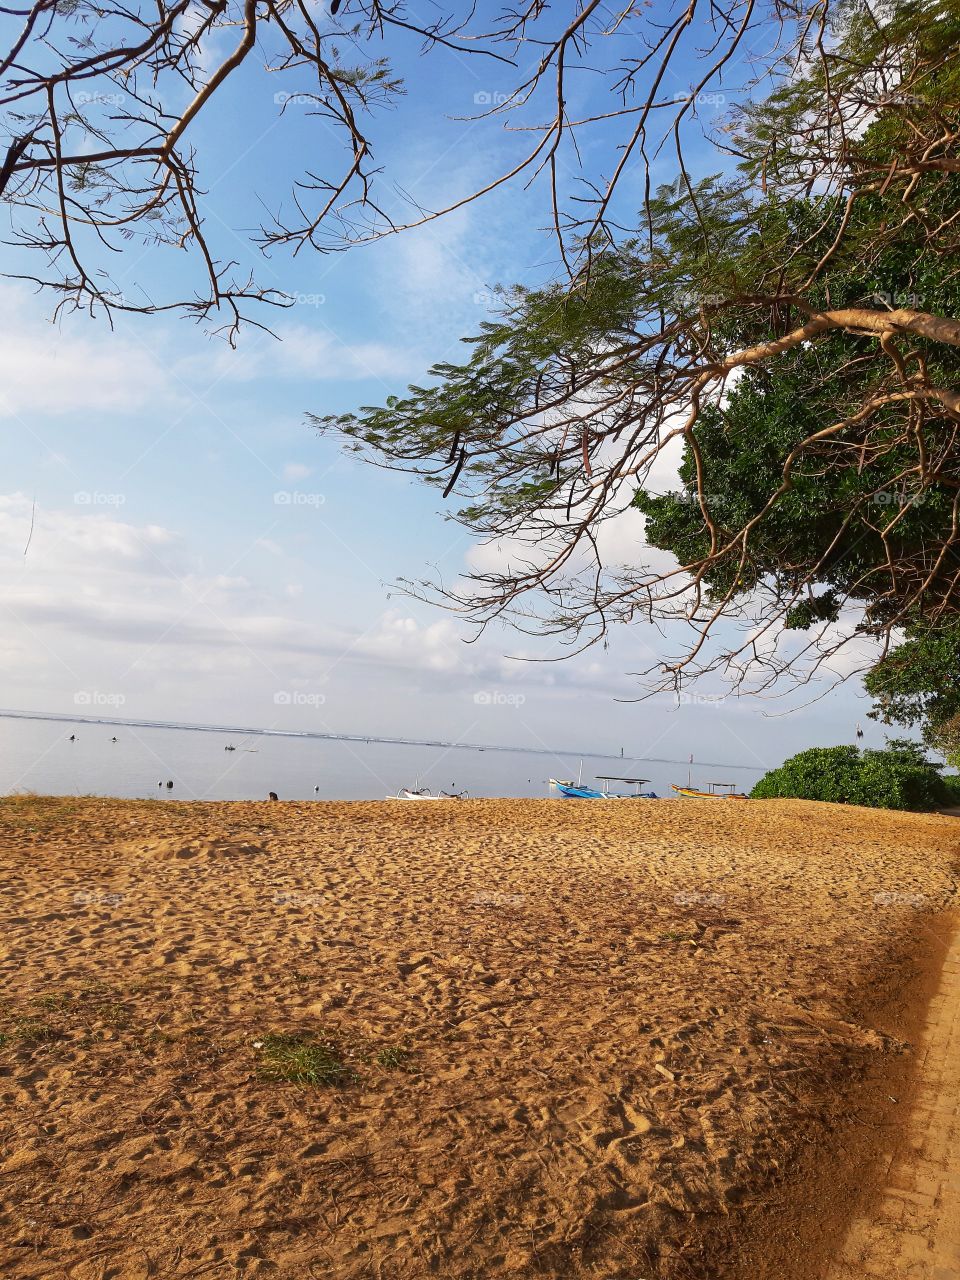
[(577, 791), (424, 793), (717, 791)]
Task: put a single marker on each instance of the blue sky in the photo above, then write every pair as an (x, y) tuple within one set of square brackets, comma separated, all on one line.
[(198, 552)]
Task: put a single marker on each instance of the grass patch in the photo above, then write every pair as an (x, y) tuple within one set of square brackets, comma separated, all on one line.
[(54, 1001), (32, 1031), (302, 1061), (394, 1058), (41, 814)]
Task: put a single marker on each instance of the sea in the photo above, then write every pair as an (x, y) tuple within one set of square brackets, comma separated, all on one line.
[(110, 757)]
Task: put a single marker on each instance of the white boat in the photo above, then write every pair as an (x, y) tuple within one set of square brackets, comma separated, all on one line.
[(424, 793)]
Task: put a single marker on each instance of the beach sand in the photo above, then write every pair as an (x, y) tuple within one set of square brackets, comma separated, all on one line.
[(622, 1040)]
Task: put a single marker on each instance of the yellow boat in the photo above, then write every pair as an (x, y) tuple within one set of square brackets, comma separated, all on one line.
[(692, 793)]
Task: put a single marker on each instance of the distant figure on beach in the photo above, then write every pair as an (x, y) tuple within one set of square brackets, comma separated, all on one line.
[(317, 787), (169, 786), (72, 738), (274, 796)]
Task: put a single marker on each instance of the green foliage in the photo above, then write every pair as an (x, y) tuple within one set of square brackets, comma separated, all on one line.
[(821, 773), (899, 777), (919, 681), (945, 737), (839, 508)]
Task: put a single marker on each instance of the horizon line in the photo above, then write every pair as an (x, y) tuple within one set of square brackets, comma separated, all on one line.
[(316, 735)]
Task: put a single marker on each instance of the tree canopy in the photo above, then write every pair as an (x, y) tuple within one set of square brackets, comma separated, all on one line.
[(791, 327)]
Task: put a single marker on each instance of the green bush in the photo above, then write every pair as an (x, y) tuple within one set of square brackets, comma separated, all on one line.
[(898, 777)]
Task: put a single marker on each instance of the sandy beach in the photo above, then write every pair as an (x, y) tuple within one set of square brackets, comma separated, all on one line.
[(628, 1040)]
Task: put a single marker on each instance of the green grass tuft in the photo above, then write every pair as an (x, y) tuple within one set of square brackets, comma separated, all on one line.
[(394, 1058), (33, 1030), (302, 1061)]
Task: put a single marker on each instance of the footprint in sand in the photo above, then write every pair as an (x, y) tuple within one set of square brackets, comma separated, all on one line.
[(406, 967), (620, 1134)]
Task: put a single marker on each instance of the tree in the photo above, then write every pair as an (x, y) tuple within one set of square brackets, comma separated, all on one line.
[(899, 777), (101, 100), (918, 682), (792, 327)]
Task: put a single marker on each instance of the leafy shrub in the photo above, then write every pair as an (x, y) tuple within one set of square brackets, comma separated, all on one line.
[(898, 777)]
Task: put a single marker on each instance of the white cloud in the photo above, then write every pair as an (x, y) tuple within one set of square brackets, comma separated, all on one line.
[(300, 351), (48, 370)]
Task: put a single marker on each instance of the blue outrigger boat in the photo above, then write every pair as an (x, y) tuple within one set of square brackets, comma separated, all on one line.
[(577, 791)]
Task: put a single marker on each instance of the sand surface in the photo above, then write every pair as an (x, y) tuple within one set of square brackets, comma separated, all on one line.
[(577, 1039), (911, 1227)]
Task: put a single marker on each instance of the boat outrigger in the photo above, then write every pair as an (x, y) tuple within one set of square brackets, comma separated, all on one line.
[(717, 791), (424, 793)]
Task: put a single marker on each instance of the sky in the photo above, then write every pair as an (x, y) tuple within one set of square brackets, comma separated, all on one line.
[(177, 543)]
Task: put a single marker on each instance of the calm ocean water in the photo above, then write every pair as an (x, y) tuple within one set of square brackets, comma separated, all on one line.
[(37, 755)]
